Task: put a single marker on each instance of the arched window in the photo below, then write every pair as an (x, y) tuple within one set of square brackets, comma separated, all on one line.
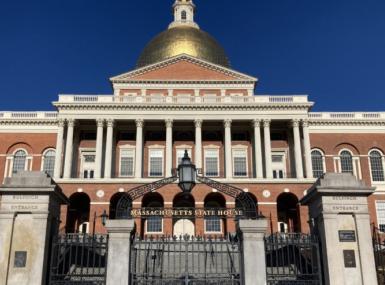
[(214, 224), (49, 162), (317, 163), (288, 213), (184, 15), (153, 224), (376, 166), (78, 214), (346, 162), (19, 161)]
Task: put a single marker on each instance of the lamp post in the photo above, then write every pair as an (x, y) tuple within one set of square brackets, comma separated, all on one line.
[(187, 174), (104, 217)]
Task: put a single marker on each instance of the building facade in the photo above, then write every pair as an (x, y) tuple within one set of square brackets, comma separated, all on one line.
[(184, 95)]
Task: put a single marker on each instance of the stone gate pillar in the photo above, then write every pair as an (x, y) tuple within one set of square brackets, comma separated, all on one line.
[(119, 246), (254, 257), (29, 216), (338, 209)]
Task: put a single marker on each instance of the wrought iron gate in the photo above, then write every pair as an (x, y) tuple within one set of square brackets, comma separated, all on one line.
[(186, 260), (293, 259), (379, 254), (78, 259)]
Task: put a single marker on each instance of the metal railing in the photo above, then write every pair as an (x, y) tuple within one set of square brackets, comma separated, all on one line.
[(78, 259), (186, 260), (293, 258), (379, 253)]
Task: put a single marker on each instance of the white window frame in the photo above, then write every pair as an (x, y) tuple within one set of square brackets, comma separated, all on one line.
[(244, 149), (377, 216), (355, 161), (83, 165), (43, 157), (211, 148), (156, 233), (155, 148), (182, 148), (214, 232), (8, 171), (370, 165), (323, 157), (130, 148), (278, 166)]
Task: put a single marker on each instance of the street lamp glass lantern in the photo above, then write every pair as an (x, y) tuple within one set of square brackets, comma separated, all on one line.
[(187, 173)]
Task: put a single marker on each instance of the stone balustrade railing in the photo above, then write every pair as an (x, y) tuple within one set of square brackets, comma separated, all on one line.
[(28, 115), (347, 115), (182, 99)]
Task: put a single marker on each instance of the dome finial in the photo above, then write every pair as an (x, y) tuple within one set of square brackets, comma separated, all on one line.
[(183, 14)]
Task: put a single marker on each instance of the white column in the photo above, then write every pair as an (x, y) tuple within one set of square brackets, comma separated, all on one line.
[(99, 148), (198, 143), (258, 148), (228, 166), (266, 134), (297, 149), (109, 139), (168, 147), (307, 149), (69, 149), (59, 149), (139, 148)]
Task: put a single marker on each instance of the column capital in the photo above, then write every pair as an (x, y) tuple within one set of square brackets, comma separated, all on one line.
[(256, 123), (227, 123), (305, 123), (61, 123), (71, 122), (266, 123), (169, 123), (110, 123), (198, 123), (139, 123), (100, 123), (295, 123)]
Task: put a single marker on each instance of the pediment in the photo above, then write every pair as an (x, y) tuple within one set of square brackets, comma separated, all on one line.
[(183, 68)]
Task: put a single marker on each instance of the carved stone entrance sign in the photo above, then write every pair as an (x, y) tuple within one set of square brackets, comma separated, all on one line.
[(29, 214), (338, 210)]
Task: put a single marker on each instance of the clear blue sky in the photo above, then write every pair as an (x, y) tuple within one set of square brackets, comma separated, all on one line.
[(333, 50)]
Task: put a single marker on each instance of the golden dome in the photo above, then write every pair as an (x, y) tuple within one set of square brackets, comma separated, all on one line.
[(183, 40)]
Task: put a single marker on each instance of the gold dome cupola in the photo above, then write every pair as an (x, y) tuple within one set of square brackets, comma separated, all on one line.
[(183, 36)]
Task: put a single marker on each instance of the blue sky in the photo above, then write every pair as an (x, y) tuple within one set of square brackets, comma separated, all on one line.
[(332, 50)]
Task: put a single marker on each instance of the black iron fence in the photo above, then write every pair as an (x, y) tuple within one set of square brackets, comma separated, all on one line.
[(78, 259), (379, 254), (293, 258), (186, 260)]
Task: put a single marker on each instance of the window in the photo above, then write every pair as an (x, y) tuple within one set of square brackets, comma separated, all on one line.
[(19, 161), (317, 163), (87, 169), (278, 164), (180, 155), (240, 162), (156, 162), (376, 166), (346, 162), (380, 210), (154, 224), (211, 162), (213, 224), (126, 162), (184, 15), (49, 162)]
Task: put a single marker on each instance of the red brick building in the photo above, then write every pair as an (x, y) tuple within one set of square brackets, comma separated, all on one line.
[(184, 95)]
